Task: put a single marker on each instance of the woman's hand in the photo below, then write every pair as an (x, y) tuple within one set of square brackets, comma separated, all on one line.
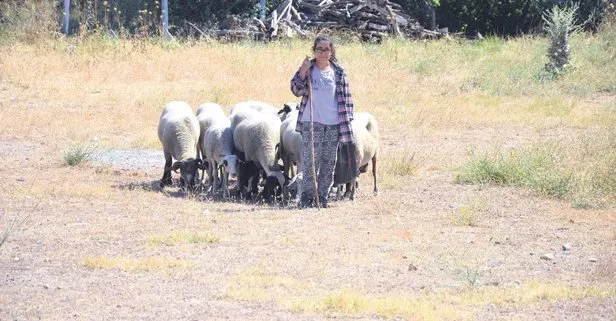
[(303, 71)]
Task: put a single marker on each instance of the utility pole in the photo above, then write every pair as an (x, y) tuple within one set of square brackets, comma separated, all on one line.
[(67, 12), (165, 9), (262, 13)]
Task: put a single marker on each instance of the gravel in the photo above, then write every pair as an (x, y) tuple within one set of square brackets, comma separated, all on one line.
[(130, 159)]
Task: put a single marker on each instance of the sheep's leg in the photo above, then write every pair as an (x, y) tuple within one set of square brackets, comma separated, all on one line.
[(203, 158), (339, 196), (225, 184), (215, 179), (351, 189), (210, 172), (166, 180), (376, 189)]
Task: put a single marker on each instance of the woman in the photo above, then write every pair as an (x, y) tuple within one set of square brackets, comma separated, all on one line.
[(324, 88)]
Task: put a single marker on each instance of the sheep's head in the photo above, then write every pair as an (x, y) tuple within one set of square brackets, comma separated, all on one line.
[(274, 185), (189, 175), (230, 165), (288, 107)]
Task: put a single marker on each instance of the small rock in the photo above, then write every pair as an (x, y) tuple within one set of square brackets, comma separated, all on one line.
[(412, 267), (592, 259), (497, 242), (20, 179), (547, 257), (45, 286), (566, 247)]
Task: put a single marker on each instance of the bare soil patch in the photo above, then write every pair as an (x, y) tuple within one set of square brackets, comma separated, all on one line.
[(273, 263)]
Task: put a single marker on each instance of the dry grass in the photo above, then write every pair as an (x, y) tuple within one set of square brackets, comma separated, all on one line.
[(149, 264), (112, 90), (442, 305), (435, 101), (182, 237)]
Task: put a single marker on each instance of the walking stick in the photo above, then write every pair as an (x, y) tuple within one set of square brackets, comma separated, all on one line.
[(314, 166)]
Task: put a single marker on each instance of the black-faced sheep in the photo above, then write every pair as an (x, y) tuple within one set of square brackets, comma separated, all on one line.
[(366, 137), (256, 136), (178, 131)]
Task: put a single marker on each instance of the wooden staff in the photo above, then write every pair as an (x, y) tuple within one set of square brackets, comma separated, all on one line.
[(314, 166)]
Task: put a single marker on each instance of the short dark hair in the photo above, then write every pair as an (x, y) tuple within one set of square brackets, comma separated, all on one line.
[(328, 39)]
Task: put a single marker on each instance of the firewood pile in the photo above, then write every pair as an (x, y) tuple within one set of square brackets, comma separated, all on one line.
[(370, 20)]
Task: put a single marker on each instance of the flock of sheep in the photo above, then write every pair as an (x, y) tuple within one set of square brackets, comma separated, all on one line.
[(247, 146)]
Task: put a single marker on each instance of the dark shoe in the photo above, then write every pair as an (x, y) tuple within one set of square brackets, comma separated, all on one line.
[(323, 202), (305, 201)]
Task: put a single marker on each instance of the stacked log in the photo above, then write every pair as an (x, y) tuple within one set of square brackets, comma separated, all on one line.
[(371, 20)]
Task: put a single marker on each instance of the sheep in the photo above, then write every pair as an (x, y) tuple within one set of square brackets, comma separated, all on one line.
[(290, 151), (178, 131), (254, 105), (205, 113), (218, 145), (256, 137), (366, 138)]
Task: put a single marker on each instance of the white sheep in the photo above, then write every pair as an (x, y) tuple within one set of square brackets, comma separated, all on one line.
[(178, 131), (205, 113), (255, 105), (290, 150), (218, 145), (366, 138), (256, 137)]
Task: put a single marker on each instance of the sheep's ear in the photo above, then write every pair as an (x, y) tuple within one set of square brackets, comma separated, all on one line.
[(176, 166)]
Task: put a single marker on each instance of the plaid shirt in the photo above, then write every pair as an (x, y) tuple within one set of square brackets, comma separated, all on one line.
[(299, 87)]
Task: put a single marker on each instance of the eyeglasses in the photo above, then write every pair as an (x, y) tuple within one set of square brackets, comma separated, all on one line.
[(322, 50)]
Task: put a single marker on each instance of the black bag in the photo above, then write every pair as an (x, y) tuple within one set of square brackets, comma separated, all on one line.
[(346, 164)]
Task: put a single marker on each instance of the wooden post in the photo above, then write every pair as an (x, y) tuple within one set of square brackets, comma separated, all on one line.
[(67, 12)]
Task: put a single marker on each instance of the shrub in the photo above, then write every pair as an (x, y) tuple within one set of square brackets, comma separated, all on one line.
[(77, 154), (559, 24)]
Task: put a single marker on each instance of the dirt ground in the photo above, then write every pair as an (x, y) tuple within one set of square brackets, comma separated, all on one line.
[(503, 261)]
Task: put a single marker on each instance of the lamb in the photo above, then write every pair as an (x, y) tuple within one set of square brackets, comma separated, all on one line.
[(256, 137), (218, 145), (366, 137), (178, 131)]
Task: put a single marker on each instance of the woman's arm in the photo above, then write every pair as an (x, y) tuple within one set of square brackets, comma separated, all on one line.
[(299, 85)]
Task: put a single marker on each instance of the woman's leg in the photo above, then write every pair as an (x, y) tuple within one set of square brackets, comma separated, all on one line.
[(308, 176), (327, 153)]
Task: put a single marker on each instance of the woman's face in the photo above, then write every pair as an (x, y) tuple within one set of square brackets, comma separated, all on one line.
[(323, 51)]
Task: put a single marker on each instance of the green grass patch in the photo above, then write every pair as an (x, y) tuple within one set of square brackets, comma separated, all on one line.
[(78, 153), (468, 214), (538, 168), (583, 172), (182, 237)]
